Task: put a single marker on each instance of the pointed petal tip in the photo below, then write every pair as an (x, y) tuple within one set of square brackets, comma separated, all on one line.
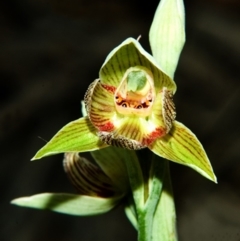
[(42, 153), (34, 158), (76, 136), (37, 156), (209, 175), (214, 179)]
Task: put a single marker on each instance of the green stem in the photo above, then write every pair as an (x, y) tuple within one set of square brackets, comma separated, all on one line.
[(146, 216), (137, 186), (155, 215)]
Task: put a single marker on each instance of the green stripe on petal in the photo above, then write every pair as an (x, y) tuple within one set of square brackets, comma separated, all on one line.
[(68, 203), (76, 136), (111, 161), (182, 146), (130, 54)]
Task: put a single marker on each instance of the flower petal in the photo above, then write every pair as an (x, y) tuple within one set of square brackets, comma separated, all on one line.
[(76, 136), (111, 161), (100, 106), (88, 178), (133, 133), (163, 112), (182, 146), (167, 34), (130, 54), (130, 129), (136, 132), (68, 203)]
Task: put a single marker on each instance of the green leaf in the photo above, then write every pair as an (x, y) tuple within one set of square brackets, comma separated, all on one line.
[(167, 34), (131, 214), (68, 203), (76, 136), (131, 54), (182, 146), (111, 161)]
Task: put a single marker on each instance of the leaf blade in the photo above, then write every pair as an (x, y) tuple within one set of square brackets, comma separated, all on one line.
[(167, 34)]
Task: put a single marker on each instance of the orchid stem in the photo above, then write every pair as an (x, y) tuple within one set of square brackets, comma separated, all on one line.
[(155, 183), (155, 211)]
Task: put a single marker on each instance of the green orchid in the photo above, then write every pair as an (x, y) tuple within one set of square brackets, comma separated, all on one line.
[(131, 106)]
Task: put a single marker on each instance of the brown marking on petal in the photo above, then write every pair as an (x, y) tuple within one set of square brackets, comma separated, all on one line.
[(120, 141), (88, 95), (168, 108), (157, 133), (88, 178), (110, 89)]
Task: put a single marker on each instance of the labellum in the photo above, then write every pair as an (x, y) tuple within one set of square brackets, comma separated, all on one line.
[(131, 115)]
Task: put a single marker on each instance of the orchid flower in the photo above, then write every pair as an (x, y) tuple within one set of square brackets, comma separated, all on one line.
[(131, 106), (127, 108)]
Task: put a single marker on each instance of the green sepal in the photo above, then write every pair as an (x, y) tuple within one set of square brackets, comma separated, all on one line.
[(77, 136), (182, 146), (167, 34), (130, 54), (71, 204)]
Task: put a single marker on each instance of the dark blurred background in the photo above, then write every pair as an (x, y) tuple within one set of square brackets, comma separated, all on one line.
[(50, 51)]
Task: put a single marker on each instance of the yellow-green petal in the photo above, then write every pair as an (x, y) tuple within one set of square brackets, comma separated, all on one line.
[(167, 34), (182, 146), (130, 54), (68, 203), (77, 136), (100, 106)]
